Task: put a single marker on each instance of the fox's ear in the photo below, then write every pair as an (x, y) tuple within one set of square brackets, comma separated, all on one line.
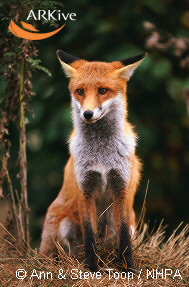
[(65, 60), (130, 65)]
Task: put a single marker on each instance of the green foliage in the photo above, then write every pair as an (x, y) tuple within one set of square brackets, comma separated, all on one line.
[(35, 64)]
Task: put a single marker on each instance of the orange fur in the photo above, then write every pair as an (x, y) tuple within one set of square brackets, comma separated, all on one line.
[(92, 75)]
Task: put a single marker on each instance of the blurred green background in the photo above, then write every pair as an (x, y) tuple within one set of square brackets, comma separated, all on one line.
[(158, 96)]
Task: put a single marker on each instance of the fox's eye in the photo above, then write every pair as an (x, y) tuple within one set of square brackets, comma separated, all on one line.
[(102, 91), (80, 92)]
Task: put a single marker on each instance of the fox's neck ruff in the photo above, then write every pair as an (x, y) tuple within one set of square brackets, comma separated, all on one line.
[(106, 128)]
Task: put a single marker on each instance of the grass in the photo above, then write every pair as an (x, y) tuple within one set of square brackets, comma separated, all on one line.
[(152, 254)]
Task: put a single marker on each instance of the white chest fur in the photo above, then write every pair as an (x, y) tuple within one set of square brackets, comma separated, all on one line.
[(100, 147)]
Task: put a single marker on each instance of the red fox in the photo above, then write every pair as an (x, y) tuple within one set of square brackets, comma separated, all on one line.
[(103, 171)]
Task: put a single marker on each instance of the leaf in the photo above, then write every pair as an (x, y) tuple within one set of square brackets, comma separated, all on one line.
[(35, 64)]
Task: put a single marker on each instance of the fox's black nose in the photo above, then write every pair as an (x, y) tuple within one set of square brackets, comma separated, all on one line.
[(88, 114)]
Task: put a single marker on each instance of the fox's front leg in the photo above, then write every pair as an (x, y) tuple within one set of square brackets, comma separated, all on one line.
[(125, 245), (118, 187), (88, 217)]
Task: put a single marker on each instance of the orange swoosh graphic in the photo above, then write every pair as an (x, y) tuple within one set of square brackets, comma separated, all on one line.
[(29, 26), (19, 32)]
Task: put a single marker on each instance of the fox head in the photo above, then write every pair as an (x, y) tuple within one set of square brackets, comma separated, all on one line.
[(95, 87)]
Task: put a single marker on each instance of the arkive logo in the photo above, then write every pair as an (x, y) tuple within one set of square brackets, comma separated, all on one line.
[(21, 33), (33, 33)]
